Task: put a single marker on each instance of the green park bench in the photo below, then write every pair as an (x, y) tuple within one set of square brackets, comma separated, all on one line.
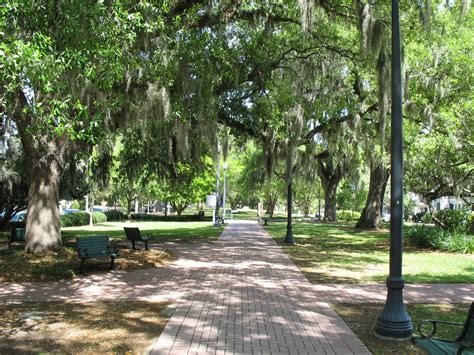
[(97, 246), (17, 235), (133, 234), (464, 344)]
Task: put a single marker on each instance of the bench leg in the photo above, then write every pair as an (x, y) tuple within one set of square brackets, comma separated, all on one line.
[(82, 267), (112, 263), (133, 245), (146, 245)]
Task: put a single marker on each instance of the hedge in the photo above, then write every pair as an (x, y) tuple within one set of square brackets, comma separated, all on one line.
[(115, 215), (81, 219), (347, 215), (429, 236)]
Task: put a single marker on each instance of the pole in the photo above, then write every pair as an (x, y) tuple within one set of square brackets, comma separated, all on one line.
[(216, 210), (223, 203), (289, 226), (394, 322)]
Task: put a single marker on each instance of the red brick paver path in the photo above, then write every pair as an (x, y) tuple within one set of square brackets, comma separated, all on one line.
[(250, 298)]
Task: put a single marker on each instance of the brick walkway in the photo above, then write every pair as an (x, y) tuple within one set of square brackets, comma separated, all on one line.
[(250, 298), (241, 294)]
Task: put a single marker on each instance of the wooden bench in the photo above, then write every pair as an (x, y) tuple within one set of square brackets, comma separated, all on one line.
[(96, 246), (464, 344), (133, 234), (17, 235)]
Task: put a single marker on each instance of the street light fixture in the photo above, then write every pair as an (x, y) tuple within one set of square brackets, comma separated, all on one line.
[(394, 322)]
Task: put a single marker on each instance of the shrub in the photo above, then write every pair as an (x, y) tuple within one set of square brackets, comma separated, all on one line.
[(152, 217), (451, 220), (347, 215), (435, 237), (426, 218), (114, 215), (74, 219), (98, 217)]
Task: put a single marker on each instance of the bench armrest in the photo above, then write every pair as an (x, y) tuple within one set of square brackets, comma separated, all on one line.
[(434, 322), (466, 347), (83, 253)]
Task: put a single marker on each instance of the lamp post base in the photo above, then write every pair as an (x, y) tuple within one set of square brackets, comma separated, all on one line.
[(289, 238), (394, 323)]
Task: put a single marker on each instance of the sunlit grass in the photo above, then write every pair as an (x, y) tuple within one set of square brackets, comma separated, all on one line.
[(337, 253), (161, 231)]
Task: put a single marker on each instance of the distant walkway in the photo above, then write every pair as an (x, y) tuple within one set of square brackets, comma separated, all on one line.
[(240, 295)]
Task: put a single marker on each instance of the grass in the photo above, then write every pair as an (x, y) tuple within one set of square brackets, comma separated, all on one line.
[(18, 266), (361, 319), (181, 232), (337, 253), (98, 327)]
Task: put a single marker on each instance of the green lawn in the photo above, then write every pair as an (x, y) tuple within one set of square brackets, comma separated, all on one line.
[(337, 253), (189, 232)]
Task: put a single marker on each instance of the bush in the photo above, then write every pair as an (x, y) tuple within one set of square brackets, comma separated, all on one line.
[(114, 215), (98, 217), (347, 215), (153, 217), (435, 237), (451, 220), (81, 219), (74, 219), (426, 218)]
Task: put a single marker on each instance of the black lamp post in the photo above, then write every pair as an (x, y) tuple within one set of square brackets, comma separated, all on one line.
[(289, 227), (3, 150), (394, 322)]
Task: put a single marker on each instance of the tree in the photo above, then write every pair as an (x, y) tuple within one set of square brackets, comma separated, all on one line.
[(439, 105), (191, 184), (55, 74)]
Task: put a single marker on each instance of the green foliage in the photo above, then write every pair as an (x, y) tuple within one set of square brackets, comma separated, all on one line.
[(191, 184), (75, 219), (81, 219), (76, 205), (452, 220), (99, 217), (151, 217), (114, 215), (435, 237), (426, 218), (347, 215), (351, 197)]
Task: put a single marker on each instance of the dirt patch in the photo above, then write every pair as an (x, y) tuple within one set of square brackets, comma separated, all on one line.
[(63, 327), (18, 266), (361, 318)]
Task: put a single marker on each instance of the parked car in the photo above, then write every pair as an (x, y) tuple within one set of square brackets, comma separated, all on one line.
[(99, 209), (19, 217), (70, 210)]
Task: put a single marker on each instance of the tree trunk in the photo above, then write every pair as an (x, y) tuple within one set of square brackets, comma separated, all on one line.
[(306, 210), (42, 224), (371, 214), (289, 207), (330, 177), (44, 154), (330, 201)]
